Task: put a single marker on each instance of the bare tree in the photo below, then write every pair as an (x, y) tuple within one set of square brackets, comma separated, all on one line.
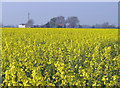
[(57, 21), (105, 25), (60, 20), (72, 21), (30, 23)]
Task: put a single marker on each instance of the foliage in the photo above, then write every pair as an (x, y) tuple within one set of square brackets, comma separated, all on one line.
[(60, 57), (72, 21)]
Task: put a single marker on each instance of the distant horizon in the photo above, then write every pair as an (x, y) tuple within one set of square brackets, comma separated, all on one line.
[(89, 13)]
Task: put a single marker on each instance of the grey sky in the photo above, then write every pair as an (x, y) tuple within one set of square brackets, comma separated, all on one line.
[(14, 13)]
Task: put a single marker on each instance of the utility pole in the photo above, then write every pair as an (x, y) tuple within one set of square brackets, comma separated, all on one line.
[(28, 19)]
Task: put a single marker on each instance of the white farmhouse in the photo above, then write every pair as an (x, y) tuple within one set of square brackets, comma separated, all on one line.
[(21, 26)]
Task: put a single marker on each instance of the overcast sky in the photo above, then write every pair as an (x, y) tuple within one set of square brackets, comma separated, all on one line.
[(14, 13)]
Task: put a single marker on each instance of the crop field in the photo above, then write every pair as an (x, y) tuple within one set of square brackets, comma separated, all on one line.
[(60, 57)]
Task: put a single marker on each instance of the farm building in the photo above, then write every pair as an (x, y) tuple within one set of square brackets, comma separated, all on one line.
[(21, 26), (61, 25)]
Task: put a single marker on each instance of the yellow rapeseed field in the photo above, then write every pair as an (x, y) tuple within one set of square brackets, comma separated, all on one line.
[(60, 57)]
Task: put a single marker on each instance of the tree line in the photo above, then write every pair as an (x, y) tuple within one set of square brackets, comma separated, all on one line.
[(61, 22), (70, 22)]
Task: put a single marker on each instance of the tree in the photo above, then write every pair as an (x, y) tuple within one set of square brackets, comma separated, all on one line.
[(54, 22), (30, 23), (60, 20), (93, 26), (1, 24), (105, 25), (47, 25), (72, 21), (112, 26)]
